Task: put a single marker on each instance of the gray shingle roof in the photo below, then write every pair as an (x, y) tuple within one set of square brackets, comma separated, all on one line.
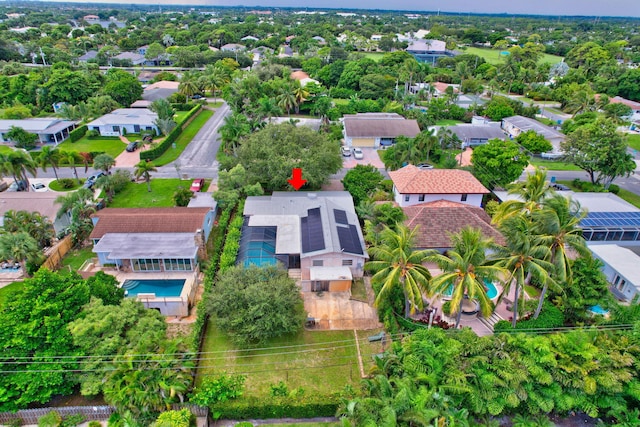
[(377, 125)]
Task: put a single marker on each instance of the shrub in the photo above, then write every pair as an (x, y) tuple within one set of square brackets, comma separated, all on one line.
[(95, 424), (279, 390), (73, 420), (278, 407), (67, 182), (52, 419), (159, 150), (93, 133), (216, 390), (244, 424), (550, 317), (16, 422), (78, 133), (181, 418), (613, 188)]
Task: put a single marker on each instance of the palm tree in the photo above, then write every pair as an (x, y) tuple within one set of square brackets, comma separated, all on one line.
[(396, 263), (188, 86), (144, 169), (49, 156), (287, 99), (77, 204), (18, 163), (524, 257), (108, 184), (268, 108), (216, 79), (558, 226), (300, 94), (531, 195), (34, 224), (465, 267), (235, 126), (19, 247), (104, 162), (70, 158)]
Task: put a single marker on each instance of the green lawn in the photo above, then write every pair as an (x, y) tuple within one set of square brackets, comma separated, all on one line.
[(553, 165), (630, 197), (633, 139), (493, 56), (216, 104), (184, 139), (8, 290), (4, 149), (340, 101), (55, 185), (135, 195), (180, 115), (110, 145), (321, 362), (447, 122), (76, 257), (376, 56)]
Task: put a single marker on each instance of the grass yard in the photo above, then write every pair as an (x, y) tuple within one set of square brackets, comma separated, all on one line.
[(532, 291), (76, 257), (340, 101), (633, 140), (55, 185), (180, 115), (4, 149), (553, 165), (184, 139), (321, 362), (630, 197), (8, 290), (493, 56), (448, 122), (135, 195), (110, 145), (216, 104), (358, 290), (376, 56)]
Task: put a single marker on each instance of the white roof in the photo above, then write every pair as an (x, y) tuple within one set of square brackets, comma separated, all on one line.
[(330, 273), (622, 260), (126, 116), (39, 125), (288, 240), (147, 245), (526, 123), (592, 202)]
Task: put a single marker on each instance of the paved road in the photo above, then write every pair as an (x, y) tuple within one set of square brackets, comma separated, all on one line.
[(631, 183)]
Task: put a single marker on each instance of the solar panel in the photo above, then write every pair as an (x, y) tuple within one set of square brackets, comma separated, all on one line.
[(311, 231), (350, 240), (611, 219), (341, 216)]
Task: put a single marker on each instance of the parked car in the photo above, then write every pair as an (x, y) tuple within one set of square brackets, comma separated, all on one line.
[(424, 166), (17, 186), (38, 187), (132, 146), (560, 187), (358, 154), (346, 151), (197, 185), (92, 179)]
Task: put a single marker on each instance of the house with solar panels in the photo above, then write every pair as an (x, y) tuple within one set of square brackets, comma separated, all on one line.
[(314, 234)]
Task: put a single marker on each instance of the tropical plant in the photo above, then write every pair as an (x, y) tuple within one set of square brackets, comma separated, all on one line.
[(21, 137), (396, 263), (49, 157), (464, 270), (77, 205), (143, 169), (530, 196), (19, 247), (17, 164), (104, 162), (33, 223)]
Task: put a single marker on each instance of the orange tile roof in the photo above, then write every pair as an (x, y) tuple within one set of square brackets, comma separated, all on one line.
[(148, 220), (298, 75), (411, 180), (438, 220)]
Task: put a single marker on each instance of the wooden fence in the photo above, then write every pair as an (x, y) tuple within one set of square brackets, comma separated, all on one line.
[(30, 416), (57, 252)]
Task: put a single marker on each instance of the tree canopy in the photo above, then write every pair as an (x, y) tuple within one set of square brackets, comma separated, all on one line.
[(498, 163)]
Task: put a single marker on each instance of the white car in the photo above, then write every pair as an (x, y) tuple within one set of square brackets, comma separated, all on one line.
[(38, 187), (346, 151), (358, 154)]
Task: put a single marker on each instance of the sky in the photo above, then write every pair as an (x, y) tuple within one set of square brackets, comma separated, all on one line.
[(537, 7)]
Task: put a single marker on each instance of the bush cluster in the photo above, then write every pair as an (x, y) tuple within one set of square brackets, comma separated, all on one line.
[(278, 407), (159, 150), (232, 244), (550, 317)]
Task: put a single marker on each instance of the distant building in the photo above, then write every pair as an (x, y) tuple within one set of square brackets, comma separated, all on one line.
[(89, 56), (429, 50), (515, 125), (49, 129), (233, 47), (134, 58), (474, 135), (377, 129), (125, 120)]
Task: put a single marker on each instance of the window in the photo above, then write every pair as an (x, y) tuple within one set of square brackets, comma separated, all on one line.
[(347, 262), (406, 198), (116, 128), (421, 198), (146, 264), (621, 284), (177, 264), (136, 128), (463, 198), (318, 263)]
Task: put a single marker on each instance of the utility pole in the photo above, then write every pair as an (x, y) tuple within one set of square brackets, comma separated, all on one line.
[(42, 56)]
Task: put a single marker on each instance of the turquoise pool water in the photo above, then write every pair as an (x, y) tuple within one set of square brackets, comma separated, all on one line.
[(598, 310), (160, 287), (492, 291)]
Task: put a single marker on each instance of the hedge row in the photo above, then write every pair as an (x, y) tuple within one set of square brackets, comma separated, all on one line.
[(232, 244), (274, 408), (550, 317), (184, 107), (77, 133), (209, 276), (158, 151)]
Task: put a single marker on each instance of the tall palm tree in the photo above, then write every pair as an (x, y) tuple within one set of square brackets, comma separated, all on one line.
[(104, 162), (268, 108), (397, 263), (49, 157), (18, 163), (287, 99), (465, 267), (524, 257), (300, 94), (144, 169), (77, 204), (531, 195), (558, 226), (216, 79), (188, 86), (235, 127), (69, 157)]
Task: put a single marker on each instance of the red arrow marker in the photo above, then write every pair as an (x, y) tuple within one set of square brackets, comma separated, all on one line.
[(296, 180)]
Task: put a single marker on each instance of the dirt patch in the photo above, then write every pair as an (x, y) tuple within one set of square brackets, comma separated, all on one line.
[(179, 330), (333, 185)]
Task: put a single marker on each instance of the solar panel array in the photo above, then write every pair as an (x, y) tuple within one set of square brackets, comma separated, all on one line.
[(611, 219), (311, 231), (349, 239), (341, 216)]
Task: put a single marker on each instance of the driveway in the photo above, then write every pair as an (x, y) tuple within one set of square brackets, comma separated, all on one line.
[(371, 157)]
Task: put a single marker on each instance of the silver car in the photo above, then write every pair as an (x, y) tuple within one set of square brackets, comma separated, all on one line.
[(357, 153)]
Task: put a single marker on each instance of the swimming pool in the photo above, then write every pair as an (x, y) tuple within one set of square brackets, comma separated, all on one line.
[(596, 309), (492, 291), (160, 287)]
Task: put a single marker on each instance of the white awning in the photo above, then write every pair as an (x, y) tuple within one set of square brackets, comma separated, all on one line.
[(330, 273)]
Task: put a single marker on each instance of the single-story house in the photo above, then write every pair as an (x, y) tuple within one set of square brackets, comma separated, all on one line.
[(44, 203), (321, 41), (135, 58), (621, 270), (438, 220), (635, 106), (609, 219), (317, 233), (125, 120), (89, 56), (303, 78), (474, 135), (515, 125), (233, 47), (428, 50), (438, 89), (142, 50), (377, 129), (412, 186), (160, 90), (49, 129), (249, 38), (152, 239)]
